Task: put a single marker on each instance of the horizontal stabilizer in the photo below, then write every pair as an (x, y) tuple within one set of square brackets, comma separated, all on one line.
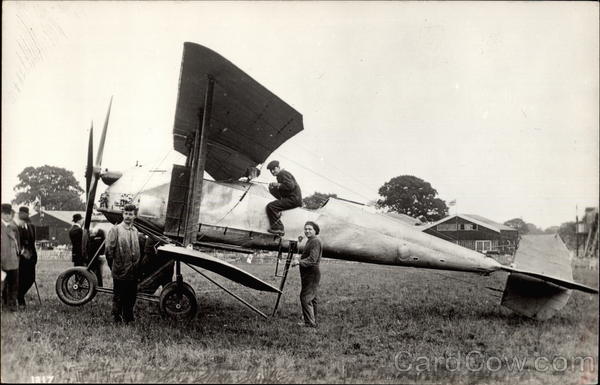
[(215, 265), (569, 284)]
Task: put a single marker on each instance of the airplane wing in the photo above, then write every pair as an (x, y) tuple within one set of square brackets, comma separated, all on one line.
[(205, 261), (248, 122)]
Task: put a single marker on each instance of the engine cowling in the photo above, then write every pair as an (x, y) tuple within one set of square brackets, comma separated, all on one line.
[(109, 177)]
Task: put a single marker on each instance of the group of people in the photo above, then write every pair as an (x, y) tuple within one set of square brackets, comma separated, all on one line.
[(123, 254), (19, 257)]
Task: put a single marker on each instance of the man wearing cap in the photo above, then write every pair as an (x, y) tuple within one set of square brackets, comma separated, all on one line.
[(10, 258), (76, 236), (123, 256), (28, 258), (288, 194)]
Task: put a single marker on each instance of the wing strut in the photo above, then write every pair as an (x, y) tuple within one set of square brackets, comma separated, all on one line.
[(197, 162), (227, 291)]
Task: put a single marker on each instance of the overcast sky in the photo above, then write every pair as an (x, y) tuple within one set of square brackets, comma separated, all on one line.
[(494, 104)]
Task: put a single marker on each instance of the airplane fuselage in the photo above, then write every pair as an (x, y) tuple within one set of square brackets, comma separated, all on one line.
[(349, 231)]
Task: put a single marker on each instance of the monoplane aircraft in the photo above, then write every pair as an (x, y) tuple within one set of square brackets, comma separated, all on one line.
[(227, 125)]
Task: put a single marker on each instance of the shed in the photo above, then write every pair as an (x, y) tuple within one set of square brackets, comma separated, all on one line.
[(475, 232)]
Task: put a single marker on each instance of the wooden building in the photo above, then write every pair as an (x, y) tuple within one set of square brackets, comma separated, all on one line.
[(475, 232), (52, 227)]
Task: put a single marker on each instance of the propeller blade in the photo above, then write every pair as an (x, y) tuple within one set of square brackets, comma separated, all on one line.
[(103, 136), (89, 168), (89, 206)]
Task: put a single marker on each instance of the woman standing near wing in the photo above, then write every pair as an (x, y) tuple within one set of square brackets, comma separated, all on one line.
[(310, 274)]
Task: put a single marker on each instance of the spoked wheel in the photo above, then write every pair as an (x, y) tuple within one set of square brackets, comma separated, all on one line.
[(76, 286), (178, 302)]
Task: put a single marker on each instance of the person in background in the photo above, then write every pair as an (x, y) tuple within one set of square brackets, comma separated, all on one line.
[(10, 258), (96, 248), (288, 194), (123, 255), (76, 236), (310, 274), (28, 257)]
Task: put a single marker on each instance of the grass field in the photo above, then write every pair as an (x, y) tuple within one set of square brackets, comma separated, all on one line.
[(377, 324)]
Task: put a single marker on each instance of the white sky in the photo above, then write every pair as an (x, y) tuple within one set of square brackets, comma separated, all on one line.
[(495, 104)]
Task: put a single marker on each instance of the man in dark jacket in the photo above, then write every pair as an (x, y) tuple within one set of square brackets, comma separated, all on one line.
[(28, 256), (76, 236), (123, 256), (288, 194), (10, 258)]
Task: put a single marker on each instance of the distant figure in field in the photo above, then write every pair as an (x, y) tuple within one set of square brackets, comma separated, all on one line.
[(123, 255), (76, 236), (28, 258), (310, 274), (288, 194), (10, 258)]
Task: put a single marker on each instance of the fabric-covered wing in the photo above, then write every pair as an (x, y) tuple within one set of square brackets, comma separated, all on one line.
[(215, 265), (248, 122)]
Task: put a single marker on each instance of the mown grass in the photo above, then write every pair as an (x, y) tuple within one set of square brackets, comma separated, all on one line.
[(377, 324)]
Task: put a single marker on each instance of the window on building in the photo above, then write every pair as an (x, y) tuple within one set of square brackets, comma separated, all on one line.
[(483, 246), (446, 227)]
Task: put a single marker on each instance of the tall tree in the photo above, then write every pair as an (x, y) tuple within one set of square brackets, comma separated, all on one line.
[(533, 229), (567, 234), (407, 194), (316, 200), (56, 187)]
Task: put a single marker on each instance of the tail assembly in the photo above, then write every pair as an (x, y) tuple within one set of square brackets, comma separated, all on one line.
[(541, 279)]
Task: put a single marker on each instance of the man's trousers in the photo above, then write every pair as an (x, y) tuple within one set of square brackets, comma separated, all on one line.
[(310, 277), (124, 297)]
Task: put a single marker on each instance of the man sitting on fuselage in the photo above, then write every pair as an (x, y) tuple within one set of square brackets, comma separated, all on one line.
[(288, 194)]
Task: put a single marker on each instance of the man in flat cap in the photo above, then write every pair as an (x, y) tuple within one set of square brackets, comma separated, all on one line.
[(10, 258), (288, 194), (76, 236), (28, 258)]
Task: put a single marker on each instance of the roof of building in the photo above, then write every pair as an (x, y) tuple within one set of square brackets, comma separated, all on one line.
[(477, 219), (404, 218), (67, 216)]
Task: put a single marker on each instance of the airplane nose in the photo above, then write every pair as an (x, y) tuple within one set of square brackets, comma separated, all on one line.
[(110, 177)]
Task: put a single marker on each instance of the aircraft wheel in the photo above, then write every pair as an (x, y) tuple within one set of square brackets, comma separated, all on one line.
[(76, 286), (178, 302)]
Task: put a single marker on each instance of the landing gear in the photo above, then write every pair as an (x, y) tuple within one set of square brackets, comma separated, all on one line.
[(178, 301), (76, 286)]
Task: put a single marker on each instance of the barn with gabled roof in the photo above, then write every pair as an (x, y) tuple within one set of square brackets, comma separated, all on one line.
[(475, 232)]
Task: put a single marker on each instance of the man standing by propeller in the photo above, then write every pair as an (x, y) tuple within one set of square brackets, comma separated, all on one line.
[(288, 194), (123, 254)]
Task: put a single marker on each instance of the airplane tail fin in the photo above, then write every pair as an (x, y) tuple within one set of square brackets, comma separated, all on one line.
[(541, 281)]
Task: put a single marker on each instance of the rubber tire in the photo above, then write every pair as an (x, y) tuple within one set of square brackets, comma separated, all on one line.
[(167, 294), (62, 289)]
